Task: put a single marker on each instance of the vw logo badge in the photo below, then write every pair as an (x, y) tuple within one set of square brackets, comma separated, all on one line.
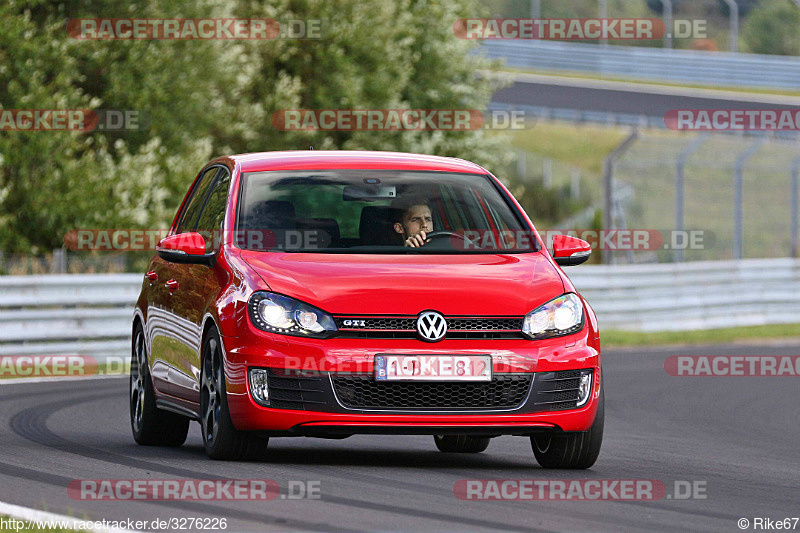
[(431, 326)]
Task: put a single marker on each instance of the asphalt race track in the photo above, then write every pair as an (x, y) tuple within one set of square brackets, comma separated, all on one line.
[(737, 436), (635, 99)]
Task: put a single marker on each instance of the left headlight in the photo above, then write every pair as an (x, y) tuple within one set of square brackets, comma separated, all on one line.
[(281, 314), (560, 316)]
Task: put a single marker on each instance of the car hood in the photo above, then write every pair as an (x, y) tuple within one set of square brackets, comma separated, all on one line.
[(406, 284)]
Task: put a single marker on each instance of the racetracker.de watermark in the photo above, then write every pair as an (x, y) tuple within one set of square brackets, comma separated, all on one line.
[(579, 489), (26, 366), (733, 119), (637, 240), (82, 120), (733, 365), (400, 120), (576, 29), (193, 29), (192, 489)]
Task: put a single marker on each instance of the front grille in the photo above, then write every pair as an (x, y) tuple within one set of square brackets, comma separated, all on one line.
[(504, 391), (557, 391), (386, 327), (481, 324), (395, 323)]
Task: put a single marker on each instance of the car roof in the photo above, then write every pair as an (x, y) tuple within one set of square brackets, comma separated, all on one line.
[(351, 159)]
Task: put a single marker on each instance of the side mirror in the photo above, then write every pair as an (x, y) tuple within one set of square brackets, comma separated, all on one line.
[(185, 248), (570, 251)]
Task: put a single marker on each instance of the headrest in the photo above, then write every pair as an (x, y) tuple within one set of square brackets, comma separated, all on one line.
[(376, 227), (272, 214), (327, 230)]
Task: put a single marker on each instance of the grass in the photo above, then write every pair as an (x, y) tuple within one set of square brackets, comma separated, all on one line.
[(649, 167), (612, 338), (583, 146), (591, 76)]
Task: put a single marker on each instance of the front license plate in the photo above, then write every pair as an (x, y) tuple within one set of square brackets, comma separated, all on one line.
[(433, 367)]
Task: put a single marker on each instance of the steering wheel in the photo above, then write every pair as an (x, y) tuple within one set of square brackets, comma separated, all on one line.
[(441, 234)]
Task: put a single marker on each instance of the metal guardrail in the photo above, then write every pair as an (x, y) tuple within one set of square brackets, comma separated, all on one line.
[(597, 117), (696, 295), (91, 314), (67, 314), (713, 68)]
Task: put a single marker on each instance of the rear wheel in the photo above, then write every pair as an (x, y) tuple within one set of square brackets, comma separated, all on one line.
[(220, 438), (151, 426), (571, 450), (461, 443)]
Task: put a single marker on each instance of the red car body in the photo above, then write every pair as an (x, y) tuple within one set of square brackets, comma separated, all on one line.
[(179, 302)]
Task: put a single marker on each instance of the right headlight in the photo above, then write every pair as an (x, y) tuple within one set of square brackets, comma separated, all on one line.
[(281, 314), (560, 316)]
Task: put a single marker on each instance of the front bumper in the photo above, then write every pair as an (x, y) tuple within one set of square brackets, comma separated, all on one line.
[(307, 397)]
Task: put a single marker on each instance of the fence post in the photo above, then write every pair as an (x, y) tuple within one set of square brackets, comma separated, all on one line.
[(521, 170), (536, 9), (733, 7), (575, 184), (608, 181), (59, 264), (738, 183), (667, 22), (602, 11), (679, 188), (795, 200), (547, 173)]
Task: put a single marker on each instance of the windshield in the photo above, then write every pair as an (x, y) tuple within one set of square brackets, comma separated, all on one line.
[(377, 211)]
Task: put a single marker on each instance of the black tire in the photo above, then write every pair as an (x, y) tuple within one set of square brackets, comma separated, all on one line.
[(221, 439), (150, 425), (572, 450), (461, 443)]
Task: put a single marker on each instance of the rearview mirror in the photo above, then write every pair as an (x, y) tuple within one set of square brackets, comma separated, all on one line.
[(185, 248), (368, 193), (570, 251)]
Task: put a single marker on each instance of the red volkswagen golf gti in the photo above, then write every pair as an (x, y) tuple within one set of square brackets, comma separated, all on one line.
[(327, 294)]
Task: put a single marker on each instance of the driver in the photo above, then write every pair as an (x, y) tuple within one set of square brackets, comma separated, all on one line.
[(412, 220)]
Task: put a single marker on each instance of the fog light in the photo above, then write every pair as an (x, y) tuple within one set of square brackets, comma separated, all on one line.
[(584, 388), (259, 386)]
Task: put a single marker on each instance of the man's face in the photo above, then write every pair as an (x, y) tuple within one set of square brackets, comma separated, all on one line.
[(417, 218)]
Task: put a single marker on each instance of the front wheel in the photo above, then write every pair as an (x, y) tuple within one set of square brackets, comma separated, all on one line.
[(571, 450), (461, 443), (220, 438), (151, 426)]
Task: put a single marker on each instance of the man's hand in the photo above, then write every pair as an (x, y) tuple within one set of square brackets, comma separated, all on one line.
[(415, 241)]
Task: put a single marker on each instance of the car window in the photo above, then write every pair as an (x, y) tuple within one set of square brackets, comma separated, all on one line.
[(358, 211), (191, 212), (209, 223)]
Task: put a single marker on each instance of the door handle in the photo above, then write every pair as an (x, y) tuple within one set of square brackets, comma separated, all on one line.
[(172, 285), (152, 276)]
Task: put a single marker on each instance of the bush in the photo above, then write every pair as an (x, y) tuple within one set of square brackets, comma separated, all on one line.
[(772, 28)]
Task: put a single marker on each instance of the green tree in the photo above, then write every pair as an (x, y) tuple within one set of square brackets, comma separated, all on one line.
[(205, 98), (381, 54), (772, 28)]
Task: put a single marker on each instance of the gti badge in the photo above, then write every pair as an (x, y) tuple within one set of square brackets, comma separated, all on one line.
[(431, 326), (354, 323)]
